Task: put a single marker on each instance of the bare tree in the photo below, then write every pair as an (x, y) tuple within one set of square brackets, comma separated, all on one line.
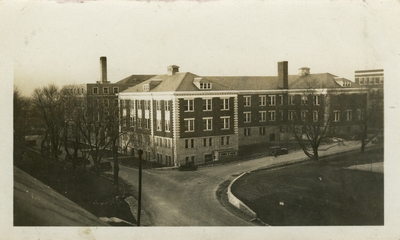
[(49, 109), (369, 122), (310, 118), (22, 108)]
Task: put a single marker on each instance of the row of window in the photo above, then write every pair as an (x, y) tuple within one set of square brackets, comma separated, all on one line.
[(106, 90), (261, 131), (207, 123), (370, 80), (163, 142), (168, 159), (207, 104), (272, 100), (208, 142)]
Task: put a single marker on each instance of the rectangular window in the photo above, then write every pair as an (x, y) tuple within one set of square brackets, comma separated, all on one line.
[(225, 140), (280, 99), (316, 101), (106, 114), (210, 142), (371, 80), (146, 104), (247, 131), (222, 142), (205, 142), (262, 100), (207, 104), (272, 100), (291, 99), (304, 100), (158, 125), (272, 115), (115, 90), (207, 124), (303, 115), (349, 115), (359, 114), (336, 115), (189, 143), (139, 122), (167, 106), (381, 80), (167, 125), (225, 123), (189, 125), (189, 105), (315, 116), (262, 115), (224, 103), (247, 101), (147, 123), (291, 115), (139, 104), (262, 130), (280, 115), (105, 90), (131, 121), (95, 90), (116, 103), (158, 105), (247, 117), (106, 103)]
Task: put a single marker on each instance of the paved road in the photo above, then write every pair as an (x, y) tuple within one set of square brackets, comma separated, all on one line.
[(173, 198)]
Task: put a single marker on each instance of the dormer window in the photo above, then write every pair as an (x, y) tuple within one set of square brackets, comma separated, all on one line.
[(205, 85), (146, 87)]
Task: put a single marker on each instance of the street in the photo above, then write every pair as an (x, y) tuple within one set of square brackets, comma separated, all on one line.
[(174, 198)]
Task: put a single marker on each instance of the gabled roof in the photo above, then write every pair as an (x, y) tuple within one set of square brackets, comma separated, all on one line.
[(183, 81), (135, 79), (317, 80)]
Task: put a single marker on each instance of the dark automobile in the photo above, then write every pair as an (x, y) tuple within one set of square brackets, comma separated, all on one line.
[(277, 150), (187, 167)]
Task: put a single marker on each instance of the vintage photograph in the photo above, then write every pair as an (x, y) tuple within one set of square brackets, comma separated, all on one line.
[(255, 115)]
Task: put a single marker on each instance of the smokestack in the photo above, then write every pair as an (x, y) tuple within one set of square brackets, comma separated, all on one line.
[(304, 71), (103, 69), (283, 75)]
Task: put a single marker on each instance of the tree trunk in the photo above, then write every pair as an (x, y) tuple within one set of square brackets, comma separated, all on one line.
[(116, 169), (316, 157)]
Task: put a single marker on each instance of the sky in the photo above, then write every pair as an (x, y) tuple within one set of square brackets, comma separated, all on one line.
[(61, 42)]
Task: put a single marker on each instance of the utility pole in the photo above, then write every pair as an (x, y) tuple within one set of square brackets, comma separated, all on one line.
[(140, 152)]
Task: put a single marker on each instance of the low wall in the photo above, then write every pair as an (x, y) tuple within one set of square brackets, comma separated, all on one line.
[(237, 203)]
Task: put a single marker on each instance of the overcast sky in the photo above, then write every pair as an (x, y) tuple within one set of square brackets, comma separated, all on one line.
[(62, 42)]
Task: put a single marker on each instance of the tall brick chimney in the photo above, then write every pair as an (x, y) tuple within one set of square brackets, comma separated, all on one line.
[(103, 69), (283, 81)]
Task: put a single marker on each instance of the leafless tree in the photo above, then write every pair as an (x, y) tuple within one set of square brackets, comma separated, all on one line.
[(50, 111), (370, 122), (22, 120), (310, 118)]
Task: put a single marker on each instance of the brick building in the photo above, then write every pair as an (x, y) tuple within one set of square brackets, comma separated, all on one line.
[(180, 117)]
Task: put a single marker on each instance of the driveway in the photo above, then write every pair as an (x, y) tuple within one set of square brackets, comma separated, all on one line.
[(174, 198)]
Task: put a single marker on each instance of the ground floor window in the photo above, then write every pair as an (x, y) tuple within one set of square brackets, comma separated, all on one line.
[(272, 136)]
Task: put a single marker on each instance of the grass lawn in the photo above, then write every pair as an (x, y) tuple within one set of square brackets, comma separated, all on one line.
[(316, 193)]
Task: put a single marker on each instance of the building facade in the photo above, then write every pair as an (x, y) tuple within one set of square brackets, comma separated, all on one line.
[(179, 118)]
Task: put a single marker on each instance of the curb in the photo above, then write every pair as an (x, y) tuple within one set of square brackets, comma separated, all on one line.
[(236, 202)]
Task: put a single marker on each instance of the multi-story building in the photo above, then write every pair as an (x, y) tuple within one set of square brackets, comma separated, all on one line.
[(373, 81), (180, 117), (102, 96)]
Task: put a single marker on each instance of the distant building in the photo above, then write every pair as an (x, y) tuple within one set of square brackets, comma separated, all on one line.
[(102, 96), (373, 81), (180, 117)]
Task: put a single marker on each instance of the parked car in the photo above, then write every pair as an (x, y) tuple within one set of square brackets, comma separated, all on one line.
[(277, 150), (187, 167)]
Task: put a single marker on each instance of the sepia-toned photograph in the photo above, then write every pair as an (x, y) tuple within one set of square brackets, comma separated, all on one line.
[(200, 119)]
